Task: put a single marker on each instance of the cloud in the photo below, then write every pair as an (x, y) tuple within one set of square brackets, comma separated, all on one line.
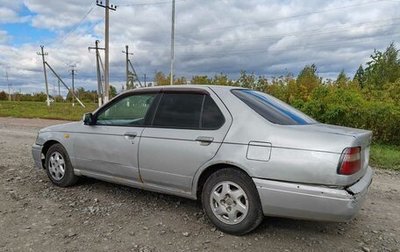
[(267, 38), (9, 12), (8, 15), (3, 37), (58, 15)]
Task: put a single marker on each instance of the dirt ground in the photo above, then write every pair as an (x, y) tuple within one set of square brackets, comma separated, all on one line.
[(99, 216)]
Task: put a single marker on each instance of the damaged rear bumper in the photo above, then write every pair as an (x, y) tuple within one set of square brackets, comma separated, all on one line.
[(312, 202)]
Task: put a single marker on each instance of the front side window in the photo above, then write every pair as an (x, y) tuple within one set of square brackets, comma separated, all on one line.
[(271, 108), (188, 111), (128, 111)]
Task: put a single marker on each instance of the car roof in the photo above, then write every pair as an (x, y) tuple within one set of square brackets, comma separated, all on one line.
[(190, 87)]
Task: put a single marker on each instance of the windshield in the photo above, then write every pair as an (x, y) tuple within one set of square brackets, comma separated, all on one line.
[(272, 109)]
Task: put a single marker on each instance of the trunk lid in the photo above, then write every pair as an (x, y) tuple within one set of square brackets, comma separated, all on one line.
[(361, 137)]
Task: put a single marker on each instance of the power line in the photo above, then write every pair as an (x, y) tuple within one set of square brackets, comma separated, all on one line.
[(302, 33), (91, 8), (327, 44), (214, 47), (293, 16), (151, 3)]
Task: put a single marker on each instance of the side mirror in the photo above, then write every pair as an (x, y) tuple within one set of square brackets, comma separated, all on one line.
[(88, 119)]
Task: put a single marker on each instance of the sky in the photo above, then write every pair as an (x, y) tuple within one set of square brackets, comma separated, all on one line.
[(269, 38)]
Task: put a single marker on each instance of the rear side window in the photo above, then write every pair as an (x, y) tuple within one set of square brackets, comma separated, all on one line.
[(272, 109), (179, 111), (188, 111), (212, 117)]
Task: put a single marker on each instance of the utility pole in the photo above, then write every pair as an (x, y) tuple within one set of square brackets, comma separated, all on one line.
[(127, 64), (8, 85), (172, 43), (54, 92), (73, 83), (59, 93), (65, 85), (144, 79), (45, 63), (107, 8), (134, 74), (100, 93), (130, 76), (42, 53)]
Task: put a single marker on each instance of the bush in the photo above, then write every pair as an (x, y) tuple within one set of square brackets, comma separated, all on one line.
[(348, 107)]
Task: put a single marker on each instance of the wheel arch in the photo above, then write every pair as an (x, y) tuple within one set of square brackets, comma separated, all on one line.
[(208, 170), (46, 147)]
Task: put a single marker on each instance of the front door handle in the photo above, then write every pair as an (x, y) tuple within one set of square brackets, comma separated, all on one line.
[(130, 135), (205, 140)]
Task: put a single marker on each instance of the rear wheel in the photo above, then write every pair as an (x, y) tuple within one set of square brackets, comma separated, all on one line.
[(230, 199), (58, 166)]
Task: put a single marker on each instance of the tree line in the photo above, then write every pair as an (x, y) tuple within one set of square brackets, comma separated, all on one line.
[(370, 99), (88, 96)]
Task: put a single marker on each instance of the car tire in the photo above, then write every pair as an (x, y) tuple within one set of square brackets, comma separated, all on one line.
[(231, 201), (58, 166)]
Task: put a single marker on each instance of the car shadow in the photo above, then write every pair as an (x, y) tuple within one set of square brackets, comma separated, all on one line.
[(269, 224), (280, 224)]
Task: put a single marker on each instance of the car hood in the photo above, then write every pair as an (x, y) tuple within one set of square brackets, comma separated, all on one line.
[(61, 127)]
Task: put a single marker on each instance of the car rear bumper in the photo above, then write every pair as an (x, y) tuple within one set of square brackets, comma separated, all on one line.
[(312, 202), (37, 155)]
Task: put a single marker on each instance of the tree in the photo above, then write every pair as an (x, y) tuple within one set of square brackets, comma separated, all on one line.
[(200, 79), (384, 67), (160, 79), (82, 94), (69, 95), (113, 91), (179, 81), (306, 82), (163, 80), (359, 76), (39, 97), (246, 80), (279, 87), (221, 79), (342, 79), (261, 84), (3, 96)]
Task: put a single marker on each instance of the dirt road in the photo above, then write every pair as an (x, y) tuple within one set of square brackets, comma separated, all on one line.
[(98, 216)]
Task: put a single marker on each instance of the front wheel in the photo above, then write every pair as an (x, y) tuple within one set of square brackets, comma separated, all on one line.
[(58, 166), (230, 199)]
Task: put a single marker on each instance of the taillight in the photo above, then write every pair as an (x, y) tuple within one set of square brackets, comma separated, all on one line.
[(350, 161)]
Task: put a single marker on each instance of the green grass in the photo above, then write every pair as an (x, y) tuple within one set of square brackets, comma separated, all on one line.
[(385, 156), (57, 110), (382, 156)]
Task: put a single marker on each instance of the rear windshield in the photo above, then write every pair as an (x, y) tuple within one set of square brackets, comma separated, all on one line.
[(272, 109)]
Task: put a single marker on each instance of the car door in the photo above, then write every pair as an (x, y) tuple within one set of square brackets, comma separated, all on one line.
[(186, 132), (110, 146)]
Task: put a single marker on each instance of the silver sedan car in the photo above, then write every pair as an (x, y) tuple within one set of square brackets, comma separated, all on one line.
[(243, 153)]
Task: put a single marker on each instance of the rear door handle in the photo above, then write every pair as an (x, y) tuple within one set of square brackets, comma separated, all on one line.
[(130, 135), (205, 140)]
